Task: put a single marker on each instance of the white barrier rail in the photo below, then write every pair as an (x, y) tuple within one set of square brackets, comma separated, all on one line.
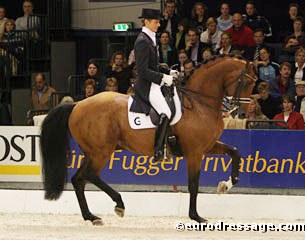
[(160, 204)]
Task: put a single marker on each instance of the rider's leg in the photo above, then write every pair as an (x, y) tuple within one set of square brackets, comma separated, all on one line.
[(158, 102), (160, 137)]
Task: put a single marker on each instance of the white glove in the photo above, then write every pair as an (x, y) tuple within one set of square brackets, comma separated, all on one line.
[(174, 73), (167, 80)]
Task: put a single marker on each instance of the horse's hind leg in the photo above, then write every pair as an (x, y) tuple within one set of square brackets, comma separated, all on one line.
[(223, 149), (79, 181), (92, 176)]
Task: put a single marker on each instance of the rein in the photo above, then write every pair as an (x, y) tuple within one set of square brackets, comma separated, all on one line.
[(192, 94)]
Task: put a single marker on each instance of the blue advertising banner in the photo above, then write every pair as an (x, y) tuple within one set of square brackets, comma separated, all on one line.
[(270, 158)]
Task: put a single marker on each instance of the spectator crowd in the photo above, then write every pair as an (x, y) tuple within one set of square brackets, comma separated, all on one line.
[(184, 43)]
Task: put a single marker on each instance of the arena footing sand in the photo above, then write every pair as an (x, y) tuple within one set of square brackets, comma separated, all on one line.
[(66, 227)]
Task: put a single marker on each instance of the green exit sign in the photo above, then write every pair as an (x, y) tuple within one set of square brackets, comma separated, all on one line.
[(122, 26)]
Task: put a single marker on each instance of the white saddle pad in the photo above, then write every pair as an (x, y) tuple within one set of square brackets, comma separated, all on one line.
[(142, 121)]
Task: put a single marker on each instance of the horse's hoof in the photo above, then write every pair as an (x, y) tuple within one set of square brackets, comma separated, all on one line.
[(119, 211), (222, 187), (202, 220), (98, 222), (199, 219)]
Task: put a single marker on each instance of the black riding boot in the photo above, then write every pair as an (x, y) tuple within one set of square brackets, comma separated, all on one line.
[(160, 137)]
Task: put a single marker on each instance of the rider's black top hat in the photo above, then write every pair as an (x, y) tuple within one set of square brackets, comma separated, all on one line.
[(148, 13)]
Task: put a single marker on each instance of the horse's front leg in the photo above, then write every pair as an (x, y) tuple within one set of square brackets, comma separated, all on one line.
[(194, 167), (223, 149)]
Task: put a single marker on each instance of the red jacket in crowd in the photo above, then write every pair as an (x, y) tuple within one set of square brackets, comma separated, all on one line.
[(242, 37), (295, 120)]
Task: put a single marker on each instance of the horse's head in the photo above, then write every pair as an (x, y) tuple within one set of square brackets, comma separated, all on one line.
[(242, 80), (218, 77)]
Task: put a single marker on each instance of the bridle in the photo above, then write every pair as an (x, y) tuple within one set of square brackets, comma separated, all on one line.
[(241, 84), (233, 102)]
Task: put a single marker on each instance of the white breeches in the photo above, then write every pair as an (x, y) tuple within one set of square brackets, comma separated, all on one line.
[(157, 100)]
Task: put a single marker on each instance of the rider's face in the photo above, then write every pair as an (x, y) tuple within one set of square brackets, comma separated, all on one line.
[(152, 24)]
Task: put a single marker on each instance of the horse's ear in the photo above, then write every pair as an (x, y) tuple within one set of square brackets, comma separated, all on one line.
[(250, 64)]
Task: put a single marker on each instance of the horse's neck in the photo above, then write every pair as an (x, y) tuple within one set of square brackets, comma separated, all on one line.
[(209, 82)]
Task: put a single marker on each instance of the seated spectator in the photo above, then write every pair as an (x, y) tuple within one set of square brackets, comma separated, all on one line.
[(270, 105), (10, 35), (255, 21), (112, 85), (167, 53), (41, 92), (199, 16), (194, 47), (189, 66), (300, 98), (181, 35), (242, 36), (9, 30), (119, 69), (297, 70), (14, 50), (66, 99), (207, 54), (211, 36), (254, 112), (287, 27), (289, 50), (182, 57), (226, 46), (298, 33), (266, 69), (225, 19), (169, 21), (233, 123), (252, 53), (93, 72), (294, 119), (2, 21), (28, 22), (38, 119), (283, 84), (89, 89)]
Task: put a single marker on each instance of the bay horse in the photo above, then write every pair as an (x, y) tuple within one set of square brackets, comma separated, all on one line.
[(99, 124)]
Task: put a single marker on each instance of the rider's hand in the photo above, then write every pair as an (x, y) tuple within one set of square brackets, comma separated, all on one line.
[(174, 73), (167, 80)]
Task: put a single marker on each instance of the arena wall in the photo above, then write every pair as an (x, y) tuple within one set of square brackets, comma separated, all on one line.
[(93, 15)]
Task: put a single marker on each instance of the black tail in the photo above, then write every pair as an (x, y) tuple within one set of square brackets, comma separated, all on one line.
[(54, 144)]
